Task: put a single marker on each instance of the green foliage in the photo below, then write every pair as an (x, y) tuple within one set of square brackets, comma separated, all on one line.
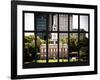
[(83, 53), (73, 44), (42, 41), (29, 48), (49, 41), (83, 42), (29, 38), (63, 40), (83, 46)]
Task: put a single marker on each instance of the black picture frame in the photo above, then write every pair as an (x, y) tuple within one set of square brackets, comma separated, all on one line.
[(14, 45)]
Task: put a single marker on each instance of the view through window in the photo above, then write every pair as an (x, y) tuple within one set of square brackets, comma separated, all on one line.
[(55, 38)]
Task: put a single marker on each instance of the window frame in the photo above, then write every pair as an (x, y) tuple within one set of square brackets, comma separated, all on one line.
[(47, 64)]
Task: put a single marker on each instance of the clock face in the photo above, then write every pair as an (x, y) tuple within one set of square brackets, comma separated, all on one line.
[(54, 36)]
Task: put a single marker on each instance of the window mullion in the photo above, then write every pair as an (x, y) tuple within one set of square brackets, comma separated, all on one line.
[(58, 37), (47, 38), (68, 36), (78, 37), (35, 38)]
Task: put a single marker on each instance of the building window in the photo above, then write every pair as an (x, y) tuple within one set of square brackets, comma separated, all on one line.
[(55, 38)]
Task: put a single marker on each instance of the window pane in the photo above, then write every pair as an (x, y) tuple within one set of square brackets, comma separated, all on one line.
[(52, 47), (29, 54), (53, 22), (74, 23), (41, 47), (84, 47), (41, 21), (63, 22), (83, 23), (50, 24), (29, 21), (63, 47), (73, 47)]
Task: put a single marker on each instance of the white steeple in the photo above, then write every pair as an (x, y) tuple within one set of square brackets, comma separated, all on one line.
[(54, 28)]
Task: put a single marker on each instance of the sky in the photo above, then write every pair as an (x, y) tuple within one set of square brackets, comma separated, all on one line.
[(83, 22), (29, 22)]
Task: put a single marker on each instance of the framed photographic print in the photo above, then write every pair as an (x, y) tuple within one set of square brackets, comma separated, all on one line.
[(53, 39)]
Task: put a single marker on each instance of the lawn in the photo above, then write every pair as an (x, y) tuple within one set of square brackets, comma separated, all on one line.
[(55, 60)]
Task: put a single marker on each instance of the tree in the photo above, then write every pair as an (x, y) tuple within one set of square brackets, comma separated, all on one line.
[(64, 40), (29, 52), (83, 42), (29, 48), (29, 38), (42, 41), (73, 44), (83, 53), (83, 46)]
